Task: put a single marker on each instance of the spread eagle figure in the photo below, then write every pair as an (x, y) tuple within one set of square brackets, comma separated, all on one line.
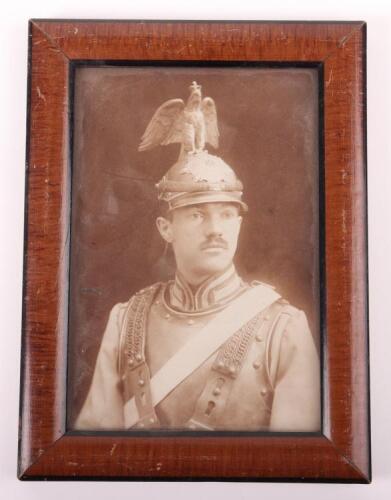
[(192, 125)]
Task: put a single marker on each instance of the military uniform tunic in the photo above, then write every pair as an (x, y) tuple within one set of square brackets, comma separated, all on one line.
[(275, 386)]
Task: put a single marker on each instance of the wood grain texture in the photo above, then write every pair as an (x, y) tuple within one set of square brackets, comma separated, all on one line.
[(341, 453)]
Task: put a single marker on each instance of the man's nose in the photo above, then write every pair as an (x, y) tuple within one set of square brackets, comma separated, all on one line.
[(213, 226)]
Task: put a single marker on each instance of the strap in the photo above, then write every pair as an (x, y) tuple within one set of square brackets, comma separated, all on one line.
[(132, 364), (202, 346), (228, 363), (210, 407)]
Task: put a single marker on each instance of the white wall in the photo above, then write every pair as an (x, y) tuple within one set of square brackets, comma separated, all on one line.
[(13, 67)]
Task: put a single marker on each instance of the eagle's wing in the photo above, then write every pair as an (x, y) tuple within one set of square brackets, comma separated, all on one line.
[(160, 128), (175, 134), (210, 114)]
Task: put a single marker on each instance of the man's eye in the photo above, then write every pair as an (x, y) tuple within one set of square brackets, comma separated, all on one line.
[(196, 215), (227, 214)]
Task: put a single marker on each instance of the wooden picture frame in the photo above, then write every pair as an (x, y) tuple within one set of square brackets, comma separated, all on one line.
[(341, 451)]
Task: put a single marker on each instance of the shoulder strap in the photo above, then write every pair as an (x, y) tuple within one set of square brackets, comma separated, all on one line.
[(133, 368)]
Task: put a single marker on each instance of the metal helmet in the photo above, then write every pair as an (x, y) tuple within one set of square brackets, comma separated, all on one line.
[(197, 176), (200, 178)]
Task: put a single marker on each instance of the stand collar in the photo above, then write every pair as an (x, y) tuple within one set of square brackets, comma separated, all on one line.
[(213, 293)]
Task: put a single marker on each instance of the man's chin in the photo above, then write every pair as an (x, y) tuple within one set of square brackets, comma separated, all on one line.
[(213, 266)]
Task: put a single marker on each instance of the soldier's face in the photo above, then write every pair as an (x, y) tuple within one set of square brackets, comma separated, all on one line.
[(204, 238)]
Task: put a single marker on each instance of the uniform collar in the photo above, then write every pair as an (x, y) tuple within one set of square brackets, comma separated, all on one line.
[(212, 294)]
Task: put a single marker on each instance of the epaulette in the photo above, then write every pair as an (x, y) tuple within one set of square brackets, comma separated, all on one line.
[(257, 282), (149, 289), (288, 308)]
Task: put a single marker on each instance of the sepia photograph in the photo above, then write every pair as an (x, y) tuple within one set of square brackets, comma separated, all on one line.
[(195, 276), (195, 295)]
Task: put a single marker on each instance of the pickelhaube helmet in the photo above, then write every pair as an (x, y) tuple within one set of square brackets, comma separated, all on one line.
[(200, 178), (197, 176)]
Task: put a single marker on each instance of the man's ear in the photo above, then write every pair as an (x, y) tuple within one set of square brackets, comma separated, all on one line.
[(164, 227), (240, 220)]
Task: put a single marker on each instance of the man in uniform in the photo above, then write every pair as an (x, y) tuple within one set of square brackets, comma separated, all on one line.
[(205, 351)]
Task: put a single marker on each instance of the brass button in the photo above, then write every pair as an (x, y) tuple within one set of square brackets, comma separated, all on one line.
[(152, 420), (216, 392), (141, 382), (220, 364), (259, 338), (232, 369), (130, 361), (257, 364), (167, 316), (139, 357), (190, 321), (264, 392)]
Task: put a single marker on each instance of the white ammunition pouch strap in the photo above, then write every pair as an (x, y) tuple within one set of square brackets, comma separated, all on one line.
[(142, 394)]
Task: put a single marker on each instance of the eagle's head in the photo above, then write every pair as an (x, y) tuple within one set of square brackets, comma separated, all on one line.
[(195, 94)]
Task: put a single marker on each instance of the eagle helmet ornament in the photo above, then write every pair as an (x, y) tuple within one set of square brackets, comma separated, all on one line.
[(197, 176)]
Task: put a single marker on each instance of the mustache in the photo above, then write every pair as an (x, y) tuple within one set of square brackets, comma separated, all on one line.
[(214, 242)]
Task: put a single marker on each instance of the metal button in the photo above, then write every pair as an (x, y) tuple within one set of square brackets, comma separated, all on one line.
[(130, 361), (232, 369), (141, 382), (152, 420), (216, 392), (220, 364), (190, 321), (257, 364), (259, 338), (139, 357), (264, 392), (167, 316)]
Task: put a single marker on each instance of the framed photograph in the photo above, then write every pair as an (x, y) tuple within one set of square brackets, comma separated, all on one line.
[(195, 281)]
